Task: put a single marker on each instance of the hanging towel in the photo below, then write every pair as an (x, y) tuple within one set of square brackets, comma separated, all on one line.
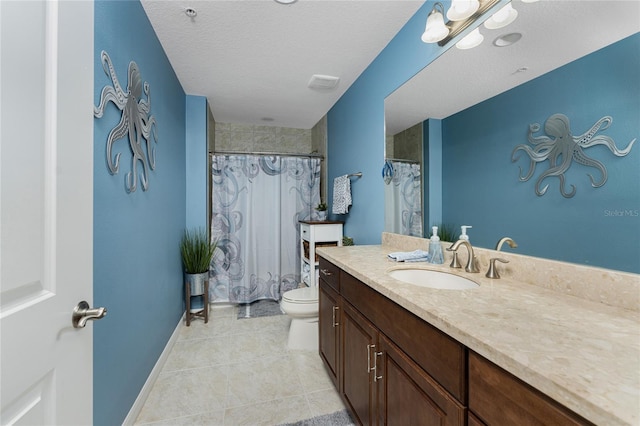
[(410, 256), (341, 195)]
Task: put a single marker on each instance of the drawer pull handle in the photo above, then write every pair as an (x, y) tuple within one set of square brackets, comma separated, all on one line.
[(375, 367), (369, 368), (326, 272), (335, 323)]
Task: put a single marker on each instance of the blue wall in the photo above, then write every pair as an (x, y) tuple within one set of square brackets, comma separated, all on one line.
[(355, 126), (479, 141), (584, 91), (137, 269), (196, 157)]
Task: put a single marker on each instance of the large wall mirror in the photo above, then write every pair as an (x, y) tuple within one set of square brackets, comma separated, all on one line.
[(553, 34)]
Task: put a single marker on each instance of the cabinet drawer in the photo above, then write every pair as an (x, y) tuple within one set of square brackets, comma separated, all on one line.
[(321, 232), (438, 354), (497, 398), (329, 273)]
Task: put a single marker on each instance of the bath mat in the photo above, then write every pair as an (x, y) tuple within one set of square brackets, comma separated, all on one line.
[(339, 418), (260, 308)]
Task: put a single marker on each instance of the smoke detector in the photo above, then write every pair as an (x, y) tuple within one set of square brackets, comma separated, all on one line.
[(323, 82)]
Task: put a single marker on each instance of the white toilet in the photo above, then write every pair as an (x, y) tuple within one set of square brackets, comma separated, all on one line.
[(301, 305)]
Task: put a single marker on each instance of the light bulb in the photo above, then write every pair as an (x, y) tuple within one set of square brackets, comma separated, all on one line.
[(435, 30), (501, 18), (462, 9), (473, 39)]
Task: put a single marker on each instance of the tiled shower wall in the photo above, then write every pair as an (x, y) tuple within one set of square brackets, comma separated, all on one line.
[(406, 145), (252, 138)]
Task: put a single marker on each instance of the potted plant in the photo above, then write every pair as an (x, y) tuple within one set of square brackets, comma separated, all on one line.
[(196, 250), (321, 208)]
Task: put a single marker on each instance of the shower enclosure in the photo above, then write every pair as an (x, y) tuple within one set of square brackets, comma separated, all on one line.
[(257, 202), (403, 200)]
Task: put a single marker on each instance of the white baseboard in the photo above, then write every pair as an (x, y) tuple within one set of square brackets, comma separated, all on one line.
[(153, 376)]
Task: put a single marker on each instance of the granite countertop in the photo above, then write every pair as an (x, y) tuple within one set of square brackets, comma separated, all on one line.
[(583, 354)]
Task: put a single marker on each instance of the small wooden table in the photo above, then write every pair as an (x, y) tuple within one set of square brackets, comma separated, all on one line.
[(204, 312)]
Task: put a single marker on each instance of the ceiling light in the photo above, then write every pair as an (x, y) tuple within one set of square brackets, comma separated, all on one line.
[(501, 18), (473, 39), (462, 9), (323, 82), (435, 30), (529, 1), (507, 39), (286, 1), (442, 32), (190, 12)]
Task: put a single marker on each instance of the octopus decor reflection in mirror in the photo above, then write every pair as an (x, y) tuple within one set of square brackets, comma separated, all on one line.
[(560, 147), (136, 123)]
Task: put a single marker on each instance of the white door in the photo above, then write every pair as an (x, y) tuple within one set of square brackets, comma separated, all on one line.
[(46, 211)]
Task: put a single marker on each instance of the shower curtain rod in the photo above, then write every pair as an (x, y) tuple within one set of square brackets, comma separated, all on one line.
[(403, 160), (284, 154)]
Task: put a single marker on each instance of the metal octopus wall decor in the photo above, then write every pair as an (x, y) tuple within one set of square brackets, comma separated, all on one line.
[(560, 147), (136, 123)]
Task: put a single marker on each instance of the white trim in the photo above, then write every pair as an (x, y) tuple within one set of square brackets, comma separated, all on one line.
[(134, 412)]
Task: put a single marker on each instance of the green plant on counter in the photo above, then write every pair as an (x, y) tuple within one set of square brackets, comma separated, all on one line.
[(447, 232), (347, 241), (196, 250)]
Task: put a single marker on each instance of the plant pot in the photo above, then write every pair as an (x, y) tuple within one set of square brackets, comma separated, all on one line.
[(322, 215), (196, 282)]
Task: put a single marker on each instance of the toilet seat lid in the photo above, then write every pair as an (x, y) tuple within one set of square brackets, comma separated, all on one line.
[(302, 295)]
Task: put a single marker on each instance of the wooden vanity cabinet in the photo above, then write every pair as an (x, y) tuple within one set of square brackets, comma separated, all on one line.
[(382, 385), (358, 357), (393, 368), (433, 351), (330, 305), (496, 397), (377, 379)]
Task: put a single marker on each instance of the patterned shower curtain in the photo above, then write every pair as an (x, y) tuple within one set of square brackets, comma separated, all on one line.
[(403, 200), (257, 202)]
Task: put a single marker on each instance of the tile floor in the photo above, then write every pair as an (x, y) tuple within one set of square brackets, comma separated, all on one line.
[(238, 372)]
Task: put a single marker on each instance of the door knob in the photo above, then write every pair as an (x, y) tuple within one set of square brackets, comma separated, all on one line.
[(82, 313)]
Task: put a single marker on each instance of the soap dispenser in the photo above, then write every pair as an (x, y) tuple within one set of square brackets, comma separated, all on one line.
[(463, 232), (435, 247)]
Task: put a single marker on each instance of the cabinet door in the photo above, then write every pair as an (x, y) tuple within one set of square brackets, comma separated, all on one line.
[(407, 395), (329, 329), (359, 339)]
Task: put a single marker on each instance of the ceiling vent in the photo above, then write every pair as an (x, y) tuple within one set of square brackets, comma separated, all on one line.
[(323, 82)]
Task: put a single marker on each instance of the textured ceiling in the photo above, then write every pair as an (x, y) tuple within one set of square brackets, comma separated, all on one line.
[(253, 59), (555, 32)]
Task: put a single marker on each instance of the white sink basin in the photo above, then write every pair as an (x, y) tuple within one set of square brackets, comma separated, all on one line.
[(432, 279)]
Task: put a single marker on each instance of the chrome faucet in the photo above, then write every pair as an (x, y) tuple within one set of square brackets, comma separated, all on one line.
[(507, 240), (492, 272), (472, 265)]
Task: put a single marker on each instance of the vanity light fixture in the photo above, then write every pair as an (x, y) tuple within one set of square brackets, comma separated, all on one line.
[(501, 18), (471, 40), (437, 31)]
